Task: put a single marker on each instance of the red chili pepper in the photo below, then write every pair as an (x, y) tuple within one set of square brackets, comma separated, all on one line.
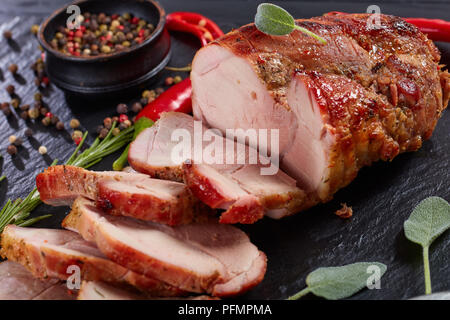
[(178, 97), (200, 26), (435, 29)]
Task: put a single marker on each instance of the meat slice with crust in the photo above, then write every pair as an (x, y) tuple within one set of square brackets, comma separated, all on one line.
[(236, 185), (47, 253), (119, 193), (17, 283), (205, 257)]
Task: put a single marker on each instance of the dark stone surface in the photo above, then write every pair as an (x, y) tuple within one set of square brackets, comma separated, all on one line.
[(382, 196)]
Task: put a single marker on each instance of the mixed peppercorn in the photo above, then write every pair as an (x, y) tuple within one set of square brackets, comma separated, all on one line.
[(123, 120), (95, 32), (27, 111), (102, 34)]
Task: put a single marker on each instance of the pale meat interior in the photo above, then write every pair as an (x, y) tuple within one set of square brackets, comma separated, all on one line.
[(229, 94)]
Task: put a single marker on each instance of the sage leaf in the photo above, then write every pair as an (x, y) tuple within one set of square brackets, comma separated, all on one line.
[(429, 219), (335, 283), (274, 20)]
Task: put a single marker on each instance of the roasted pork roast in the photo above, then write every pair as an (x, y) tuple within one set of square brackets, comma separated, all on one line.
[(370, 93)]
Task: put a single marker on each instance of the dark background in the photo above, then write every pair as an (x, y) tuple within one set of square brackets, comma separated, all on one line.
[(382, 196)]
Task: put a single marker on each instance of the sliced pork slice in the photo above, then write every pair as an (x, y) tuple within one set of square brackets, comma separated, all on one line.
[(48, 253), (61, 185), (95, 290), (220, 191), (162, 201), (234, 182), (17, 283), (205, 257), (119, 193), (338, 106)]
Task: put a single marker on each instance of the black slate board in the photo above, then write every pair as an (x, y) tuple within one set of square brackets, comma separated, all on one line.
[(382, 196)]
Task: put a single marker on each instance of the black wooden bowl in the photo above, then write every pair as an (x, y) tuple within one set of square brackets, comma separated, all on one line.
[(108, 73)]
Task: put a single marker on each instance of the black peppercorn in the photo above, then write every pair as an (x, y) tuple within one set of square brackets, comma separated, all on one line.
[(6, 111), (7, 34), (13, 68), (103, 133), (136, 107), (122, 108), (10, 89), (18, 142), (25, 107), (24, 115), (60, 125), (12, 149), (43, 111), (144, 101), (28, 132), (122, 126), (54, 120)]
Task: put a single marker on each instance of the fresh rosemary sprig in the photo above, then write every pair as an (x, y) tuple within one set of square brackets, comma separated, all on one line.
[(18, 211)]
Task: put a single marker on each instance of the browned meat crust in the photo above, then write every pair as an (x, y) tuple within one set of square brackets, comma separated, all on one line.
[(381, 90)]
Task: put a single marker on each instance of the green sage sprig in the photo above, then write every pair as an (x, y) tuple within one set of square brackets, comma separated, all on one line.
[(428, 221), (274, 20), (335, 283)]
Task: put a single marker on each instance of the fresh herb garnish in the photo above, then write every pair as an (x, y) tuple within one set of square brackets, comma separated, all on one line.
[(276, 21), (428, 221), (335, 283), (18, 211), (141, 124)]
